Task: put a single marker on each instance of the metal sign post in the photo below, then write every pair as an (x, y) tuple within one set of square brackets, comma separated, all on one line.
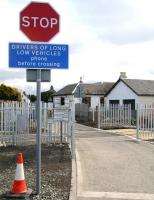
[(38, 135), (38, 76)]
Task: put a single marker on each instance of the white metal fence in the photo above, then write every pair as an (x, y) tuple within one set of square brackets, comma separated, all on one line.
[(114, 116), (145, 122), (18, 123)]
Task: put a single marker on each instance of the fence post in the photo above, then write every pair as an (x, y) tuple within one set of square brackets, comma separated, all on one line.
[(69, 124), (137, 121), (98, 110), (93, 114), (61, 132)]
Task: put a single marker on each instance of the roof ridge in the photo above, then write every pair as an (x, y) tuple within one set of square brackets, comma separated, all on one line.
[(136, 79)]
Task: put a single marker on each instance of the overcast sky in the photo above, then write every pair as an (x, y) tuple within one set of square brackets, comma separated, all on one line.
[(105, 37)]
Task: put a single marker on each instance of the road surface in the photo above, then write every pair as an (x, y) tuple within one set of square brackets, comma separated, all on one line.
[(113, 166)]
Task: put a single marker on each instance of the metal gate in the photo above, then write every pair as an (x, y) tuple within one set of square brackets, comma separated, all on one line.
[(145, 122), (114, 116)]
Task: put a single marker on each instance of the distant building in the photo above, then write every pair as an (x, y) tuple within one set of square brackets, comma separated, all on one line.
[(88, 93), (24, 97), (131, 91)]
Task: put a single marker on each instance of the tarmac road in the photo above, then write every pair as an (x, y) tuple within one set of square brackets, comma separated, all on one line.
[(113, 166)]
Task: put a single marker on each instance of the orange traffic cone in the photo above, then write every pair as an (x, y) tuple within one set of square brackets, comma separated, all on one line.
[(19, 188), (19, 184)]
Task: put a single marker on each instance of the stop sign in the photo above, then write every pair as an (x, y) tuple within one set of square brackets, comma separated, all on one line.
[(39, 21)]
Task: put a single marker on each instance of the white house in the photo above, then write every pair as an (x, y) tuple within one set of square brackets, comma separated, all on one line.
[(88, 93), (63, 96), (24, 97), (131, 91)]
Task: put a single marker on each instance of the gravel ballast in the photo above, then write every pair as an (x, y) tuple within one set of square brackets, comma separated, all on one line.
[(55, 171)]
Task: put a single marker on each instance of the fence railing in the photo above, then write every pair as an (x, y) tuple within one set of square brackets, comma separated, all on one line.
[(145, 122), (18, 123), (115, 116), (105, 116)]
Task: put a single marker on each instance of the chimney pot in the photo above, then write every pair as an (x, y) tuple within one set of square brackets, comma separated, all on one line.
[(123, 75), (81, 81)]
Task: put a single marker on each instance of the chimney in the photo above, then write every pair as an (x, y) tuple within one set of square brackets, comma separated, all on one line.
[(122, 75), (81, 81)]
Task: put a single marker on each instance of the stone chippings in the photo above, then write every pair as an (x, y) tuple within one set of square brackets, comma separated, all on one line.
[(55, 171)]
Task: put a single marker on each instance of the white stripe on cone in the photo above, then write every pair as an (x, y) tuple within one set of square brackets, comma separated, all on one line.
[(19, 175)]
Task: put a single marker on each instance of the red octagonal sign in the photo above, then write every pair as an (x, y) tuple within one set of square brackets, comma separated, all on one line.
[(39, 21)]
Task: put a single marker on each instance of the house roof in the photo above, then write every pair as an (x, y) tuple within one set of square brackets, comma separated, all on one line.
[(88, 88), (96, 88), (138, 86), (67, 90)]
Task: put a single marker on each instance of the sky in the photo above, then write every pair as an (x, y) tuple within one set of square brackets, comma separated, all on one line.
[(105, 37)]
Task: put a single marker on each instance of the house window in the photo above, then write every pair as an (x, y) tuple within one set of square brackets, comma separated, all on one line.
[(115, 102), (86, 100), (101, 100), (62, 101), (131, 102)]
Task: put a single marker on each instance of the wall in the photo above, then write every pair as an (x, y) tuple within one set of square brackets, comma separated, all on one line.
[(120, 92), (24, 98), (57, 101), (95, 100), (146, 100)]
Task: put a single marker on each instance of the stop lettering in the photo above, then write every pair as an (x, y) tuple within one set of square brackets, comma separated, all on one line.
[(39, 21)]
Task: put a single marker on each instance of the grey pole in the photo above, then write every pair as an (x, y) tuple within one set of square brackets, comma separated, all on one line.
[(72, 129), (38, 134)]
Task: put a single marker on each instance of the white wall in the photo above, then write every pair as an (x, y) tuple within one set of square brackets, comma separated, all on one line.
[(120, 92), (95, 100), (24, 98), (146, 100), (57, 101)]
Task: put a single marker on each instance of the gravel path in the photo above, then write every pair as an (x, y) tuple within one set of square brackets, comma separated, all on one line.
[(56, 170)]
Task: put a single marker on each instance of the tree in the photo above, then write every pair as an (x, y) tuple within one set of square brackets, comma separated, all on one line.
[(45, 96), (9, 93), (32, 97), (48, 95)]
